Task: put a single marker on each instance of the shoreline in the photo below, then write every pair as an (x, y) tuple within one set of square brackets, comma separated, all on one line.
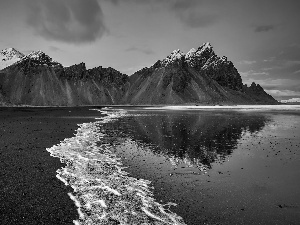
[(103, 192), (154, 105), (30, 191), (211, 196)]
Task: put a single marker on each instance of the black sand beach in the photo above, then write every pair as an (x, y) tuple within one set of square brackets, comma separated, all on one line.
[(219, 167), (30, 193), (252, 161)]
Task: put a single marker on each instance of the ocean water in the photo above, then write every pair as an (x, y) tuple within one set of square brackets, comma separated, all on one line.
[(185, 166)]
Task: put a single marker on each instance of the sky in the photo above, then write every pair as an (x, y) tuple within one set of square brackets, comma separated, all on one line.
[(261, 37)]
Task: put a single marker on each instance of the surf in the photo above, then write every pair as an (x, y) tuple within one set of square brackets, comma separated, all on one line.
[(102, 191)]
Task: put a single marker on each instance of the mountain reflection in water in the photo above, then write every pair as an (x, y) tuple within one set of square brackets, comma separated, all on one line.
[(201, 137)]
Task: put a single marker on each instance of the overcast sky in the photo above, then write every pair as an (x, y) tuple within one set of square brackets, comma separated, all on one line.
[(261, 37)]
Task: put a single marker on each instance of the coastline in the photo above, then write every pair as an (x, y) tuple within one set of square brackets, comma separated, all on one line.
[(30, 191)]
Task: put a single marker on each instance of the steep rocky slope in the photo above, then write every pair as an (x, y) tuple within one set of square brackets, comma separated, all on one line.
[(39, 80), (199, 76)]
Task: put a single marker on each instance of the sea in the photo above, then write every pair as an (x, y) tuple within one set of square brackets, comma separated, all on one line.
[(185, 165)]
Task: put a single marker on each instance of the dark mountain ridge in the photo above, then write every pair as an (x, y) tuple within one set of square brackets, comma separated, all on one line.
[(40, 81), (198, 77)]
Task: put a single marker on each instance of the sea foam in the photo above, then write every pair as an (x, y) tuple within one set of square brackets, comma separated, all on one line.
[(103, 192)]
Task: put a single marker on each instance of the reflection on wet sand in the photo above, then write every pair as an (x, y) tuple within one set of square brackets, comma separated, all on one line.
[(219, 167), (201, 138)]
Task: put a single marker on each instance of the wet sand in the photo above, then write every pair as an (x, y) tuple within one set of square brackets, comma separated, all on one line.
[(253, 180), (257, 182), (30, 193)]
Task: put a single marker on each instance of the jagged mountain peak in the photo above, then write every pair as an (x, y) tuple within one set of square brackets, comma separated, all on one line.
[(190, 53), (36, 54), (206, 45), (9, 56), (9, 53), (174, 56), (39, 58), (202, 53)]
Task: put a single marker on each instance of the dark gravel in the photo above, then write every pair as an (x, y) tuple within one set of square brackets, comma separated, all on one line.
[(30, 193)]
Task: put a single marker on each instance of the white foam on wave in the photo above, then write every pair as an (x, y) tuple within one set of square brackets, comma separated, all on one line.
[(103, 192)]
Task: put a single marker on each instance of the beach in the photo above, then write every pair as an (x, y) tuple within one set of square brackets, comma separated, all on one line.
[(30, 193), (133, 165), (219, 166)]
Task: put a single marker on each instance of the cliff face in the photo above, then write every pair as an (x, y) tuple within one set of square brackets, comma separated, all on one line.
[(47, 83), (258, 94), (205, 60), (174, 84), (198, 77)]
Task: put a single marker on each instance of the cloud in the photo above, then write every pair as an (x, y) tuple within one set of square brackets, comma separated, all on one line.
[(298, 71), (196, 20), (271, 59), (286, 64), (54, 49), (115, 2), (135, 49), (252, 73), (279, 88), (290, 53), (280, 84), (264, 28), (247, 62), (283, 94), (268, 68), (192, 13), (293, 100), (71, 21)]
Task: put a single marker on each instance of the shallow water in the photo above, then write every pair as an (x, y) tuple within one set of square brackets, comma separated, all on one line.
[(218, 166)]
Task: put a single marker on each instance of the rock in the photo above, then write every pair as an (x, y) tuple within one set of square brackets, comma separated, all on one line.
[(198, 77)]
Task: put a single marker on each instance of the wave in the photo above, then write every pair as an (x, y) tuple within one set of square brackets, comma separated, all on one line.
[(103, 192)]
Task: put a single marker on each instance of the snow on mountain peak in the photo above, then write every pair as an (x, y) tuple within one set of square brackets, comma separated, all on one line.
[(175, 55), (190, 53), (36, 54), (10, 53), (204, 52), (206, 45), (9, 56), (40, 58)]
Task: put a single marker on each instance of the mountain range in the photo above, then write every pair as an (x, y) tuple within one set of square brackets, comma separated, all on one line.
[(197, 77)]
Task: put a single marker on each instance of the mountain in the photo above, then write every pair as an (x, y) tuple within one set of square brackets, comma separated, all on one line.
[(197, 77), (37, 79), (9, 56)]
